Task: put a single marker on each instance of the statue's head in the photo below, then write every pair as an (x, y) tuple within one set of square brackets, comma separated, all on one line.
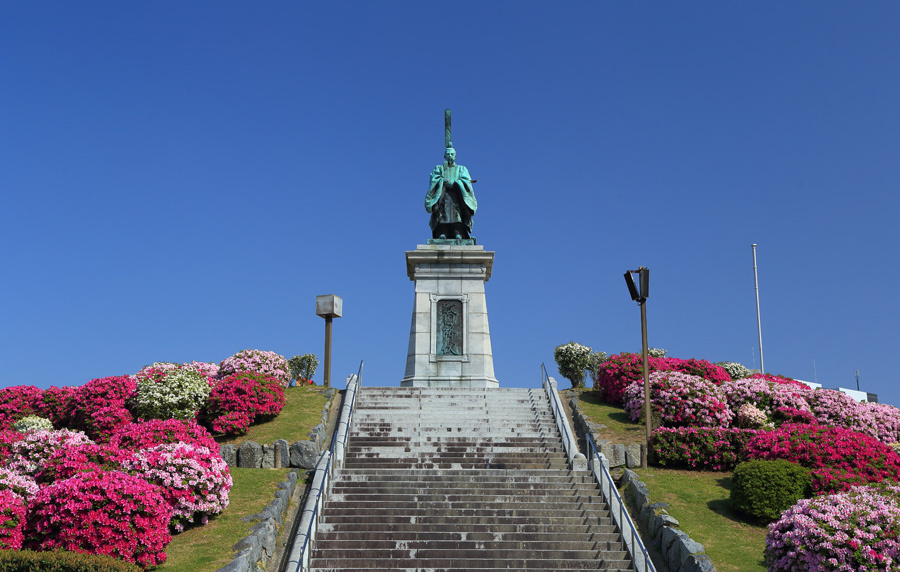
[(450, 156)]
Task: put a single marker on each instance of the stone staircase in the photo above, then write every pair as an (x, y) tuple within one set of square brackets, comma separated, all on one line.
[(448, 480)]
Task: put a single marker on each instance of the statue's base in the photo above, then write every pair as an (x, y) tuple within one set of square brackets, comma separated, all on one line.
[(449, 339), (452, 241)]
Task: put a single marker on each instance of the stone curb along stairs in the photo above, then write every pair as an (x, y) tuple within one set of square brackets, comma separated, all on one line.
[(461, 479)]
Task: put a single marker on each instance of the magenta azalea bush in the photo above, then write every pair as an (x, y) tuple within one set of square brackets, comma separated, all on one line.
[(147, 434), (22, 485), (241, 399), (69, 461), (268, 364), (623, 370), (680, 400), (848, 531), (18, 402), (838, 458), (101, 512), (194, 480), (28, 455), (700, 448), (57, 405), (12, 520), (100, 405)]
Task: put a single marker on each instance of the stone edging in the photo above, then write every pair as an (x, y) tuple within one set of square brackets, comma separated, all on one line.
[(679, 552), (259, 546)]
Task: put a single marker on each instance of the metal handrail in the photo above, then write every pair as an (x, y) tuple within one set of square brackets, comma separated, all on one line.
[(609, 491), (569, 442), (323, 474), (612, 494)]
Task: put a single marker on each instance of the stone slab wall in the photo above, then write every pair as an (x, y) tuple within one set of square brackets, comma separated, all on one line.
[(619, 455)]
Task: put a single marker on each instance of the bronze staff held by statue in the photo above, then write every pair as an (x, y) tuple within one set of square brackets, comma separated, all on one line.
[(451, 196)]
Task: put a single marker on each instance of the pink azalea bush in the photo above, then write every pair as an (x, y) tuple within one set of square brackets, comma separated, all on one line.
[(147, 434), (700, 448), (835, 408), (781, 380), (765, 395), (100, 405), (28, 455), (269, 364), (680, 400), (847, 531), (886, 422), (208, 370), (17, 402), (12, 520), (623, 370), (101, 512), (20, 484), (750, 417), (241, 399), (195, 481), (7, 438), (69, 461), (838, 458), (57, 405)]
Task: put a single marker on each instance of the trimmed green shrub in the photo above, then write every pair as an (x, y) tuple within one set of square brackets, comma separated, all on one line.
[(61, 561), (765, 489)]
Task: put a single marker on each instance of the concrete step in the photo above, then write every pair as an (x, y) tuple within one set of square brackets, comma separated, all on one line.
[(460, 562)]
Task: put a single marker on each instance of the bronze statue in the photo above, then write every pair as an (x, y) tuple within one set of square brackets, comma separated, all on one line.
[(451, 196)]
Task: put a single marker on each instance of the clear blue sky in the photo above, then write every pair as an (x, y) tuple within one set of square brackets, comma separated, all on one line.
[(179, 180)]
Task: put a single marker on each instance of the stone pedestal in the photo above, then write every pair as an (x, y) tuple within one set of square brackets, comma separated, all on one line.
[(449, 339)]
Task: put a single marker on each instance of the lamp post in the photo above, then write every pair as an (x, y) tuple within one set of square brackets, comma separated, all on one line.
[(640, 291), (328, 306)]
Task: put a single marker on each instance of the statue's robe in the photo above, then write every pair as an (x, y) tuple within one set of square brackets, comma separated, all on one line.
[(452, 204)]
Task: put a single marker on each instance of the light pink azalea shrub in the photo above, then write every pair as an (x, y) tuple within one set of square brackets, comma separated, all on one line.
[(101, 512), (781, 380), (886, 422), (69, 461), (241, 399), (22, 485), (680, 400), (209, 370), (195, 481), (838, 458), (28, 455), (765, 395), (12, 520), (837, 409), (848, 531), (269, 364), (17, 402), (750, 417), (152, 432)]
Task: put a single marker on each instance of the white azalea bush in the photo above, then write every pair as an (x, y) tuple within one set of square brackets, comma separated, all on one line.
[(735, 369), (32, 423), (572, 359), (171, 393)]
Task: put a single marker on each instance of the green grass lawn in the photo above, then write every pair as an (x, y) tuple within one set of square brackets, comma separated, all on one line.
[(619, 428), (302, 411), (699, 500), (207, 548)]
